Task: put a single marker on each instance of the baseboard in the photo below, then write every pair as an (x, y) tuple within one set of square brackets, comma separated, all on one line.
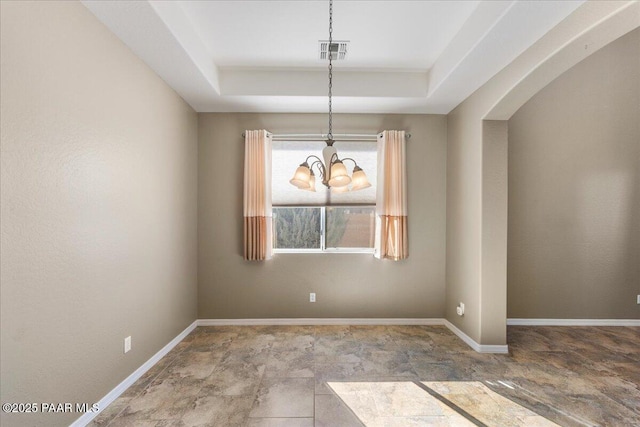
[(321, 321), (120, 388), (573, 322), (480, 348), (358, 321)]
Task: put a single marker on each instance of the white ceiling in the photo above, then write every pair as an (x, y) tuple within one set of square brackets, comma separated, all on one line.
[(286, 33), (404, 56)]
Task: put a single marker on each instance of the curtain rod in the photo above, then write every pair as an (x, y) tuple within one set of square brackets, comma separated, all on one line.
[(323, 137)]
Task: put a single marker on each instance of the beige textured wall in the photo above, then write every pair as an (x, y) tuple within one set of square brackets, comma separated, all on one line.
[(347, 285), (98, 195), (574, 192), (494, 218), (477, 163), (464, 231)]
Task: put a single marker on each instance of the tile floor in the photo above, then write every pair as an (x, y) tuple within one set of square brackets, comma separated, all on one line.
[(341, 376)]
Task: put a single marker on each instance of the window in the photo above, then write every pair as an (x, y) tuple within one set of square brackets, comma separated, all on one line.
[(350, 227), (298, 228), (324, 229), (308, 222)]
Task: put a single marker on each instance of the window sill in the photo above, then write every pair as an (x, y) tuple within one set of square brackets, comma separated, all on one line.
[(369, 251)]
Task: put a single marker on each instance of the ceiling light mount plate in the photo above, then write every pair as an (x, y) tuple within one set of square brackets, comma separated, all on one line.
[(338, 49)]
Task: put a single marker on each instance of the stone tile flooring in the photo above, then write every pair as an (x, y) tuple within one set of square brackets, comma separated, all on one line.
[(341, 376)]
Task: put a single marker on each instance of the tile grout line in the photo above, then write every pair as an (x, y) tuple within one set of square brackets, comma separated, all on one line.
[(397, 347), (559, 411), (450, 404), (333, 393), (148, 385)]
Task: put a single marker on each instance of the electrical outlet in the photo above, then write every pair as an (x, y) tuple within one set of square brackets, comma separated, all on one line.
[(312, 297), (127, 344), (460, 309), (638, 300)]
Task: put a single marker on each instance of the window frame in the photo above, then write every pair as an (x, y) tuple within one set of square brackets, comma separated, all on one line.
[(323, 216)]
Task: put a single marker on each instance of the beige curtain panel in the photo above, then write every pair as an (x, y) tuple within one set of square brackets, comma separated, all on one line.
[(391, 201), (257, 195)]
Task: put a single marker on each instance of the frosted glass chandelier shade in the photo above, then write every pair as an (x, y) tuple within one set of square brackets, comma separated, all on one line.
[(359, 179), (312, 183), (302, 177), (339, 176)]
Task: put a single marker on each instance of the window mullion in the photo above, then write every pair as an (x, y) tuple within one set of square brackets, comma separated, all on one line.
[(323, 227)]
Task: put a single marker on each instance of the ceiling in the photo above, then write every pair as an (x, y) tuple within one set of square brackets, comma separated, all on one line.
[(262, 56)]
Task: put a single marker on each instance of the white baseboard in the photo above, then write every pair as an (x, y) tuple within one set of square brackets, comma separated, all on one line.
[(320, 322), (573, 322), (358, 321), (120, 388), (480, 348)]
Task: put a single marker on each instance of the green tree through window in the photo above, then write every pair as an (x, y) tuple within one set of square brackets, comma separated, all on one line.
[(297, 228), (330, 228)]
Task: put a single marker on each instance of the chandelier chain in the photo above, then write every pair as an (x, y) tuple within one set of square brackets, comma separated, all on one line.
[(304, 178), (330, 134)]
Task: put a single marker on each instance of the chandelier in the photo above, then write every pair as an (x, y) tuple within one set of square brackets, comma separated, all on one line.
[(332, 171)]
